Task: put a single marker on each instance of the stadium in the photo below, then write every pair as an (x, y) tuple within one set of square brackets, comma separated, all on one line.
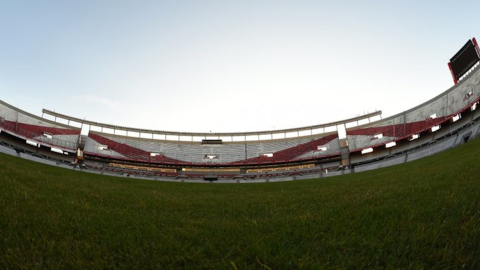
[(342, 147), (396, 192)]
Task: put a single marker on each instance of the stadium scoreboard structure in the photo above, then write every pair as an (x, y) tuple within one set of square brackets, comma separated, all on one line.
[(464, 59)]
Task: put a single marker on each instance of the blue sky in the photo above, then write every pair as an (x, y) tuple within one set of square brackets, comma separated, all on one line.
[(228, 65)]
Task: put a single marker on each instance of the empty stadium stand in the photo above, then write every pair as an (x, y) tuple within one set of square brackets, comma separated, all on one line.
[(443, 122), (38, 130)]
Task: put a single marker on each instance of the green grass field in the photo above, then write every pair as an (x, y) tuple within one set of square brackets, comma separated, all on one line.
[(423, 214)]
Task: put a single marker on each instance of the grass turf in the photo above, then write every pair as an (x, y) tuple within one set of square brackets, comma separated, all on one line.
[(422, 214)]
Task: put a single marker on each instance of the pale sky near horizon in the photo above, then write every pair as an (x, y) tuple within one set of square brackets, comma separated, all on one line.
[(228, 66)]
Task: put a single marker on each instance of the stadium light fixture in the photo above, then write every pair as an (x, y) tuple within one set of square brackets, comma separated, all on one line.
[(469, 94), (268, 155), (474, 106), (435, 128), (433, 116), (390, 144), (32, 143), (322, 148), (367, 150), (414, 137), (56, 150), (49, 136), (456, 118), (378, 136), (103, 147)]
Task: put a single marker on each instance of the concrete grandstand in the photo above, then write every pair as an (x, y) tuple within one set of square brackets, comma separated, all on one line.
[(351, 145)]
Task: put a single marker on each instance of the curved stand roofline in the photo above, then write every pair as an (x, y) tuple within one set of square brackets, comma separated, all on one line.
[(418, 112), (460, 83), (216, 134), (447, 102), (18, 110)]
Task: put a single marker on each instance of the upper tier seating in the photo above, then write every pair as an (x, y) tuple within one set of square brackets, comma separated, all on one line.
[(55, 136), (127, 151), (292, 153), (195, 153), (364, 137), (400, 130)]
